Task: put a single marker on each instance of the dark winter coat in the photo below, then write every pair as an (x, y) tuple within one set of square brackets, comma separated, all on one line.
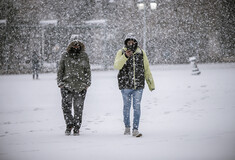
[(131, 76), (133, 71), (74, 70), (35, 62)]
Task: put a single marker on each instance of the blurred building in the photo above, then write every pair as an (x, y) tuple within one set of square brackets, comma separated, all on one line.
[(173, 32)]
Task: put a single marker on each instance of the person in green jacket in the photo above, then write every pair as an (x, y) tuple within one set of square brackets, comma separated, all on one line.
[(133, 66), (73, 77)]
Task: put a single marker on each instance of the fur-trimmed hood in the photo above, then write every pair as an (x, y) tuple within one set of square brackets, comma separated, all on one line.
[(73, 43)]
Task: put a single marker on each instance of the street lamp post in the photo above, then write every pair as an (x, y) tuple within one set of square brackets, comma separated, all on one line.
[(141, 4)]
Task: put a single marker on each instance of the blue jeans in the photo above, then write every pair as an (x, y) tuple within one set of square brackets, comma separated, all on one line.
[(127, 95)]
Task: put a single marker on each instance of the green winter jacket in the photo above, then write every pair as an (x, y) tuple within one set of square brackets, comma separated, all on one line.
[(120, 63), (74, 70)]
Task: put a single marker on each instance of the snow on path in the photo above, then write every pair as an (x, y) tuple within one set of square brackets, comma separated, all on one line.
[(187, 117)]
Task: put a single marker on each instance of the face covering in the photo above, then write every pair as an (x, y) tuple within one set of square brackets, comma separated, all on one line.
[(75, 50), (132, 47)]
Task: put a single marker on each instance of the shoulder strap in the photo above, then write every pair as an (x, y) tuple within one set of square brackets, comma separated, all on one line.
[(123, 52), (141, 51)]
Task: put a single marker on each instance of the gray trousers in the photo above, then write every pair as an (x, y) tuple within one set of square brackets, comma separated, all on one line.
[(75, 99)]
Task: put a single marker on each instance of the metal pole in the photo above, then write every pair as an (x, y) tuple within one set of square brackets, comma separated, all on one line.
[(145, 27), (105, 48), (42, 53), (6, 50)]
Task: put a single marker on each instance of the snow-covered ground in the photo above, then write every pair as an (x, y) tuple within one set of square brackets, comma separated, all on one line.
[(186, 118)]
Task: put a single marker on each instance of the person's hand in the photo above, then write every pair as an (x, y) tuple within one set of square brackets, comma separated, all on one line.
[(129, 53)]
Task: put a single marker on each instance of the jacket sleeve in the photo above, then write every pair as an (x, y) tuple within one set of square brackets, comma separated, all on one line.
[(120, 60), (60, 72), (88, 72), (147, 73)]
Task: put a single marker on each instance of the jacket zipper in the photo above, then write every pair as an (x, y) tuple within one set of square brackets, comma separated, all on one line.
[(134, 70)]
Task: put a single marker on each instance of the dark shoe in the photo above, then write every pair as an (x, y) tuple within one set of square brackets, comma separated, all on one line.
[(68, 130), (76, 132)]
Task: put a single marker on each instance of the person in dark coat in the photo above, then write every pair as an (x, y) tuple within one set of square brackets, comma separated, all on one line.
[(73, 78), (35, 65)]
